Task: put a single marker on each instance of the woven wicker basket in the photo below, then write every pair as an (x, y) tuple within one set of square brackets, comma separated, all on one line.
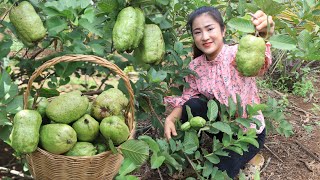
[(44, 165)]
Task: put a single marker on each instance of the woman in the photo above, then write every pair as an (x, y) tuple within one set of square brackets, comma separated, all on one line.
[(218, 78)]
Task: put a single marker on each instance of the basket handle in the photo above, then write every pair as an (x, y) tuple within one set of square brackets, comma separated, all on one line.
[(87, 58)]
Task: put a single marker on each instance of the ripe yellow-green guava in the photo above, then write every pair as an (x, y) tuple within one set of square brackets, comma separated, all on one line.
[(87, 128), (152, 47), (197, 122), (57, 138), (111, 102), (128, 29), (25, 132), (82, 149), (251, 55), (67, 107), (27, 22), (115, 129)]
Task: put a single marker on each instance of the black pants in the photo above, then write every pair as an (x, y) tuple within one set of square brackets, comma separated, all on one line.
[(234, 162)]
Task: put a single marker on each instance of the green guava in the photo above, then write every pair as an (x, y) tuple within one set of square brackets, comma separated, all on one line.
[(185, 126), (57, 138), (101, 147), (87, 128), (197, 122), (115, 129), (40, 105), (128, 29), (67, 107), (152, 47), (251, 55), (82, 149), (111, 102), (25, 132), (27, 23)]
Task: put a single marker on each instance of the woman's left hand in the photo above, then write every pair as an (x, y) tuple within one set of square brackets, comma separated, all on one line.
[(261, 23)]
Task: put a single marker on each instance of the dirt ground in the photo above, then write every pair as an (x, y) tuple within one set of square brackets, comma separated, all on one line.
[(294, 158)]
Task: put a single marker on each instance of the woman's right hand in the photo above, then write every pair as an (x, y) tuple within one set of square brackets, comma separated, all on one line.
[(169, 128)]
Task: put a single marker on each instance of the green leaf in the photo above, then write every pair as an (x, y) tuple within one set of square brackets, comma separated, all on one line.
[(223, 127), (45, 92), (153, 145), (91, 27), (163, 2), (5, 133), (8, 90), (55, 25), (190, 142), (178, 47), (226, 140), (270, 7), (156, 76), (156, 161), (127, 167), (65, 69), (232, 107), (89, 14), (4, 120), (235, 149), (241, 24), (304, 39), (15, 105), (173, 145), (170, 160), (212, 158), (250, 140), (244, 122), (282, 41), (136, 150), (239, 106), (213, 110), (188, 109), (207, 169)]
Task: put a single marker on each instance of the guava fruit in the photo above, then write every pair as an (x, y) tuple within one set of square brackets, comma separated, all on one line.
[(27, 23), (57, 138), (185, 126), (89, 110), (108, 103), (152, 47), (25, 132), (128, 29), (82, 149), (115, 129), (197, 122), (251, 55), (87, 128), (100, 147), (67, 107), (40, 105)]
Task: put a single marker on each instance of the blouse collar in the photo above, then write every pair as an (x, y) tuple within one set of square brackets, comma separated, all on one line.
[(218, 59)]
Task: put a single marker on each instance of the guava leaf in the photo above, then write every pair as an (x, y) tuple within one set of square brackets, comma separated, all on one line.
[(127, 167), (15, 105), (156, 161), (213, 110), (223, 127), (241, 24), (282, 41), (55, 25), (136, 150), (152, 143), (212, 158)]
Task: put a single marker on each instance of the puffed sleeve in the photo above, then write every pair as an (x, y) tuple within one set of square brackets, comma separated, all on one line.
[(188, 93), (267, 61)]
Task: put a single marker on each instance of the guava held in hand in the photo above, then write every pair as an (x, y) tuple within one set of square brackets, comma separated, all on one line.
[(251, 55), (27, 22), (115, 129)]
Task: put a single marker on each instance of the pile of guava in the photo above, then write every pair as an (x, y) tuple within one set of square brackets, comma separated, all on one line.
[(71, 125)]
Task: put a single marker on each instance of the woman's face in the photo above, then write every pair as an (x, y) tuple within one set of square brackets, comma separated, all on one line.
[(207, 35)]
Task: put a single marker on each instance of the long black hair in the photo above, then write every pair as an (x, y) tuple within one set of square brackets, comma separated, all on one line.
[(214, 13)]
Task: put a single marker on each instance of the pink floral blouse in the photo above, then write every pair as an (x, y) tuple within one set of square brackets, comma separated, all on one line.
[(220, 79)]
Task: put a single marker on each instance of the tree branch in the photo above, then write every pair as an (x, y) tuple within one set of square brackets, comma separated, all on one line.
[(14, 172)]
